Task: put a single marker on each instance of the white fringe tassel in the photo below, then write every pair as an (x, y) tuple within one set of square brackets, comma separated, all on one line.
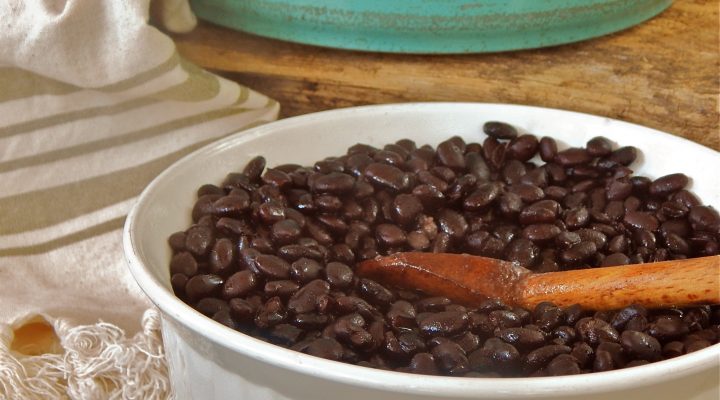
[(99, 362)]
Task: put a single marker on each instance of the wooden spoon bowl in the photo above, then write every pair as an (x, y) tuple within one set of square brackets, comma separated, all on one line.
[(469, 280)]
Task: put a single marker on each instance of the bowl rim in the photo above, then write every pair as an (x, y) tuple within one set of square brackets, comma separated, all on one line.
[(597, 382)]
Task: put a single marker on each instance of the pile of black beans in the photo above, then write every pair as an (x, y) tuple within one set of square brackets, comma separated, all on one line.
[(271, 253)]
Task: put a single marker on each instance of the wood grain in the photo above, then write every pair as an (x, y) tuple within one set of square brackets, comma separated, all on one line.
[(664, 73)]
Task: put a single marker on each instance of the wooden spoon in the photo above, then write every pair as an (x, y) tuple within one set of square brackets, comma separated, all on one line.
[(469, 280)]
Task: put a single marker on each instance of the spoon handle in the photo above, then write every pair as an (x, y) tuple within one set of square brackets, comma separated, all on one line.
[(656, 285)]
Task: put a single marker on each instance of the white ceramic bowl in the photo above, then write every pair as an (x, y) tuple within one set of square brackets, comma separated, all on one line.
[(209, 361)]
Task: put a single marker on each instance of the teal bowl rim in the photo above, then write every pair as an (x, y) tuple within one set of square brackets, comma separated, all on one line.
[(441, 27)]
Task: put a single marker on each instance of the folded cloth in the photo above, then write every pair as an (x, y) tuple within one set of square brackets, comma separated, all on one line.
[(94, 103)]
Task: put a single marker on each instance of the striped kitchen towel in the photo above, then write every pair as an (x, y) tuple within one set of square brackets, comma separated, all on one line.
[(94, 103)]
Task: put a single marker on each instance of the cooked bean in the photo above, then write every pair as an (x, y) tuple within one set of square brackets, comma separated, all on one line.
[(548, 149), (200, 286), (199, 239), (500, 130), (599, 147), (703, 218), (528, 193), (667, 327), (338, 275), (451, 155), (522, 337), (543, 211), (482, 197), (640, 345), (540, 357), (619, 190), (624, 155), (451, 358), (442, 323), (578, 253), (540, 232), (641, 220), (573, 156), (594, 330), (523, 252), (183, 263), (239, 284), (453, 223), (523, 147), (667, 184)]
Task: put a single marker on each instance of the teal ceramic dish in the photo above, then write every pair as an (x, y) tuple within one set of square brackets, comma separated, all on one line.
[(429, 26)]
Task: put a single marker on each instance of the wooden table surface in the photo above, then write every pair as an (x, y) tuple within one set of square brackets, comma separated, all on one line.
[(664, 73)]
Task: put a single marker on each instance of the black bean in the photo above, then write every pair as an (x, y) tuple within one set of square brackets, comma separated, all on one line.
[(549, 318), (451, 155), (540, 232), (594, 331), (401, 315), (281, 288), (338, 275), (548, 149), (390, 235), (522, 337), (442, 323), (618, 190), (668, 184), (667, 327), (523, 252), (504, 319), (211, 305), (494, 354), (500, 130), (641, 345), (308, 297), (325, 348), (452, 223), (615, 259), (704, 218), (387, 176), (482, 197), (528, 193), (563, 364), (432, 304), (543, 211), (375, 293), (513, 171), (476, 165), (204, 285), (573, 156), (199, 239), (405, 208), (183, 263), (641, 220), (177, 241), (540, 357), (451, 358), (510, 204), (239, 284), (578, 253), (272, 266), (617, 354), (624, 155), (423, 363), (523, 147), (673, 349), (576, 218), (599, 147)]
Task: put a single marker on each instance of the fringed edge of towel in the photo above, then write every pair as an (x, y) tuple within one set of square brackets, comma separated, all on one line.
[(93, 362)]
